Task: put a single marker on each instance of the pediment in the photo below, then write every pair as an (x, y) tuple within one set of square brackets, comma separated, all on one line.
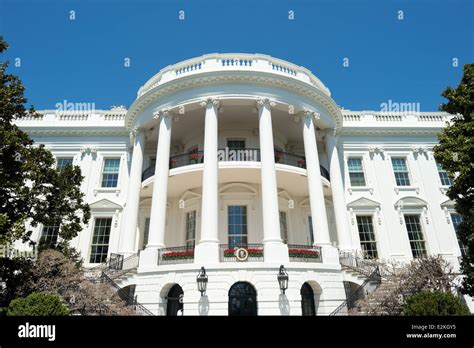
[(408, 202), (105, 204), (448, 204), (363, 203)]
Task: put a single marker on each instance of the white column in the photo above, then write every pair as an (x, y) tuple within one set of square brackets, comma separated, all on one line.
[(156, 235), (129, 228), (315, 185), (207, 251), (338, 198), (274, 248)]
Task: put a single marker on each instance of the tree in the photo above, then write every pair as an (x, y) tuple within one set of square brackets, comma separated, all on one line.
[(434, 303), (455, 153), (32, 191), (38, 304)]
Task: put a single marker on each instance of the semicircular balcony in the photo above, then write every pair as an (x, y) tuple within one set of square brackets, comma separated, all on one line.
[(234, 155)]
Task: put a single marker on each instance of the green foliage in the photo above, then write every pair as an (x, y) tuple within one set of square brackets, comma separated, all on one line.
[(32, 189), (16, 273), (38, 304), (455, 152), (434, 303)]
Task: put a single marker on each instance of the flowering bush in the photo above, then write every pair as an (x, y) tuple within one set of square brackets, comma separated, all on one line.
[(178, 255), (304, 253)]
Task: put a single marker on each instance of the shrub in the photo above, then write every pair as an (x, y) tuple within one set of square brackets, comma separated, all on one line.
[(37, 304), (434, 303)]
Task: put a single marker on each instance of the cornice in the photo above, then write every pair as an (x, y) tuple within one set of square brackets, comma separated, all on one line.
[(76, 131), (390, 131), (213, 78)]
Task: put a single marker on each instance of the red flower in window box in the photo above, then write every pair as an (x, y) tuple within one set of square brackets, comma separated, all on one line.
[(301, 161), (194, 156), (178, 255), (304, 253), (172, 161)]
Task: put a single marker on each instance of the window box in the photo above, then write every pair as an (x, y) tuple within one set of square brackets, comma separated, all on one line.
[(178, 255), (252, 252), (304, 253)]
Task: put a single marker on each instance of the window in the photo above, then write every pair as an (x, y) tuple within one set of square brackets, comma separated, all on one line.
[(237, 226), (457, 219), (401, 171), (110, 172), (49, 234), (367, 236), (63, 162), (443, 176), (310, 230), (190, 228), (283, 227), (236, 144), (146, 232), (415, 235), (356, 173), (100, 240)]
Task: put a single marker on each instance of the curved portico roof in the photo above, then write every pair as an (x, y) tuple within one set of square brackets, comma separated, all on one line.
[(285, 81)]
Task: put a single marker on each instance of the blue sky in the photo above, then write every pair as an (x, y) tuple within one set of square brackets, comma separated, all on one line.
[(82, 60)]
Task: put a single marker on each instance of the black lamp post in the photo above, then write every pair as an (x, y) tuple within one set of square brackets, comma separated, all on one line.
[(202, 281), (283, 279)]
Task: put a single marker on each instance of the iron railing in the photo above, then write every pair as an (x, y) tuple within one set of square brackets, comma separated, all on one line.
[(357, 263), (115, 265), (254, 253), (124, 295), (305, 253), (176, 255), (372, 282), (246, 154)]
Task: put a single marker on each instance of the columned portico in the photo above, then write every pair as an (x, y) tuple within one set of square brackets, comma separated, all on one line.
[(315, 187), (337, 188), (156, 238), (207, 251), (274, 248), (128, 236)]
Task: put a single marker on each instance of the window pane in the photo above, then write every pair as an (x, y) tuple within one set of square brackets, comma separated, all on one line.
[(100, 240), (310, 230), (415, 235), (63, 162), (49, 234), (367, 236), (110, 172), (401, 172), (283, 227), (190, 228), (146, 232), (443, 176), (236, 144), (356, 172), (237, 225), (457, 219)]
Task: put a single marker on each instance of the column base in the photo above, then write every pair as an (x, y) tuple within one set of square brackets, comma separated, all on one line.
[(275, 252), (206, 253), (330, 253)]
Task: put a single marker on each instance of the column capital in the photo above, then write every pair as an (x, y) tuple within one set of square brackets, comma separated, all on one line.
[(310, 113), (332, 132), (210, 102), (161, 113), (136, 131), (265, 102)]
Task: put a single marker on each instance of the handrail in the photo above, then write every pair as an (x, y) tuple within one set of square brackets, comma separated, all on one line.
[(373, 277), (358, 264), (131, 301), (230, 155)]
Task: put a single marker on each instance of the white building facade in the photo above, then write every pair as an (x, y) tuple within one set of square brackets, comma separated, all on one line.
[(242, 163)]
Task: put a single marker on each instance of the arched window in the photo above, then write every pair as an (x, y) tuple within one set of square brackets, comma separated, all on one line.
[(242, 299), (307, 300), (175, 301)]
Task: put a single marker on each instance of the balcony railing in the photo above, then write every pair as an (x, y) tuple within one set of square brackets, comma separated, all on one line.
[(243, 253), (229, 155), (305, 253), (175, 255)]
